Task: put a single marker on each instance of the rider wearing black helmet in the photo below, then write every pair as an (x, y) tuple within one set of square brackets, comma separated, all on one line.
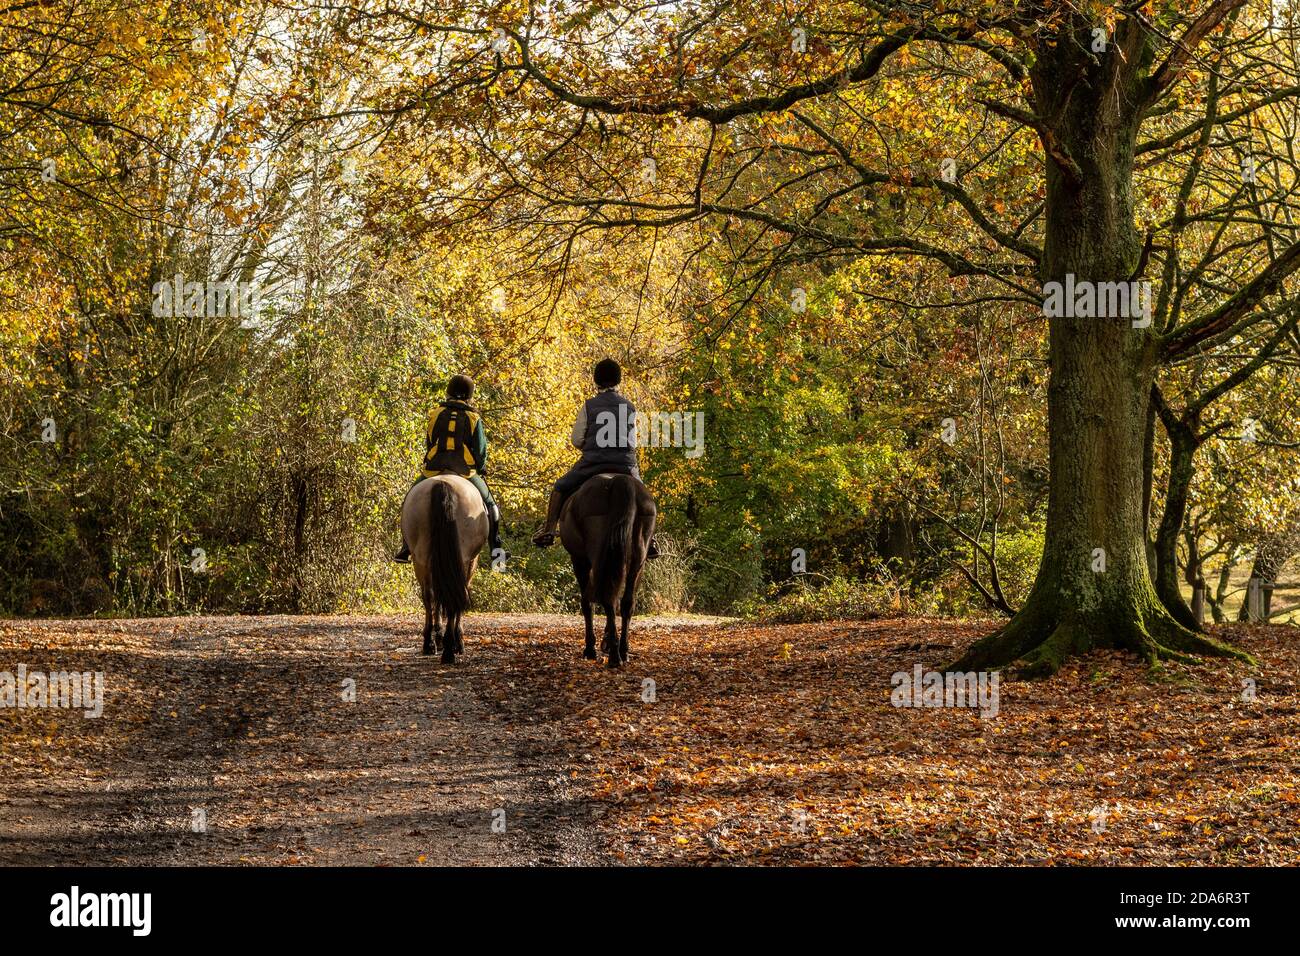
[(455, 442), (605, 433)]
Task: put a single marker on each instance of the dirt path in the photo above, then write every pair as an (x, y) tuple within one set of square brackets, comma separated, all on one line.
[(736, 743), (282, 740)]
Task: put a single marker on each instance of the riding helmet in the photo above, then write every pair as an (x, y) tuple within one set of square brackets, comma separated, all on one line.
[(608, 373), (460, 387)]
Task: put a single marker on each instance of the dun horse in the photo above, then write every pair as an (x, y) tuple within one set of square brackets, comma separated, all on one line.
[(446, 526), (606, 528)]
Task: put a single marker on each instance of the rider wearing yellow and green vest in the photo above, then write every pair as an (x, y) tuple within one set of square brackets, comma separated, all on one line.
[(455, 442)]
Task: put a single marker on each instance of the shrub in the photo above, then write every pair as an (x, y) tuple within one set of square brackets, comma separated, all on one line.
[(509, 592), (809, 598), (666, 582)]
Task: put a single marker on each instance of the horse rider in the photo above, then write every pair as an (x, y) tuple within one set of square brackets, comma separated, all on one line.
[(605, 432), (456, 443)]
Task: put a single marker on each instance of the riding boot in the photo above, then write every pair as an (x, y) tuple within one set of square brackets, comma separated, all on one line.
[(652, 551), (404, 555), (546, 537), (494, 534)]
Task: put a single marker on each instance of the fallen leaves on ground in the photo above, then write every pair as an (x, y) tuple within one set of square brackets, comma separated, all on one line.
[(720, 743), (780, 745)]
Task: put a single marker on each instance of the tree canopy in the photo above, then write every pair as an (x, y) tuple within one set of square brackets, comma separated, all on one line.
[(830, 228)]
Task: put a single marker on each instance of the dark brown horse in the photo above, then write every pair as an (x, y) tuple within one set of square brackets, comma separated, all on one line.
[(606, 528), (446, 525)]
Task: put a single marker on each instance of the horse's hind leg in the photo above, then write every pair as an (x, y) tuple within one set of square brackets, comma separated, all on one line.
[(582, 571), (614, 656), (449, 638), (625, 609), (635, 565), (428, 619), (437, 627), (589, 648), (460, 620)]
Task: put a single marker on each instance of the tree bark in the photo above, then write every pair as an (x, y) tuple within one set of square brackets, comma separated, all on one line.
[(896, 541), (1182, 451), (1221, 593), (1093, 587)]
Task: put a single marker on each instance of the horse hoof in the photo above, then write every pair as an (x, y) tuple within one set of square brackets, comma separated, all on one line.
[(428, 651), (589, 654), (449, 658)]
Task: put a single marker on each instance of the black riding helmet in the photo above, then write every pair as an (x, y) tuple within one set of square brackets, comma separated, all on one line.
[(460, 388), (607, 373)]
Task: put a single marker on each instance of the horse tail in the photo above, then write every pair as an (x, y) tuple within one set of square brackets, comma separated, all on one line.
[(611, 568), (446, 569)]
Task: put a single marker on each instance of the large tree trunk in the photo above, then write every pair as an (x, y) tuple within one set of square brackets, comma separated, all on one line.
[(1094, 585), (1221, 593), (896, 541)]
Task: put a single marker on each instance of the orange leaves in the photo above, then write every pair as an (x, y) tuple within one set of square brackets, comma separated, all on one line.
[(767, 744)]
